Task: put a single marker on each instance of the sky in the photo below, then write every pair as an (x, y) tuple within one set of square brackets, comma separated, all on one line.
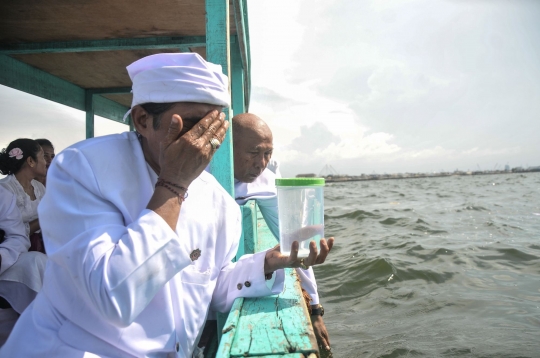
[(371, 86)]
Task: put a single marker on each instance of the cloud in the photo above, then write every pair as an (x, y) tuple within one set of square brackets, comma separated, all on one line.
[(273, 99), (314, 138), (416, 84)]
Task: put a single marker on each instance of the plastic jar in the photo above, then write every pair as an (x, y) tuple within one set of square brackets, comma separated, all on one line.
[(301, 213)]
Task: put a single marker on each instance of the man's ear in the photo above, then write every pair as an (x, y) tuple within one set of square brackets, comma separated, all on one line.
[(142, 120)]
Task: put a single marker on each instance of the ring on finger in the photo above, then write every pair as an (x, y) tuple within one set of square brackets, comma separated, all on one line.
[(303, 265), (215, 143)]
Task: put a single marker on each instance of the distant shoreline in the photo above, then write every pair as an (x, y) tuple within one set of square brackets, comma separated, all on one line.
[(346, 178)]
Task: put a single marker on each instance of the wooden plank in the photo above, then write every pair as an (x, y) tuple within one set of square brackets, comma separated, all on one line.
[(249, 229), (61, 20), (217, 51), (106, 108), (237, 81), (275, 324), (89, 104), (23, 77), (229, 329), (242, 33), (182, 43), (272, 326)]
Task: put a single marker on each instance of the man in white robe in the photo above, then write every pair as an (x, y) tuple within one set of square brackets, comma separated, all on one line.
[(140, 239), (255, 174)]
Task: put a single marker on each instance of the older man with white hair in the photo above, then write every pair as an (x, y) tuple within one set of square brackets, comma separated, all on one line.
[(254, 179), (140, 239)]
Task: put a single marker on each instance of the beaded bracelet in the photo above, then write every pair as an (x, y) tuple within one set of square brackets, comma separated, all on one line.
[(168, 185)]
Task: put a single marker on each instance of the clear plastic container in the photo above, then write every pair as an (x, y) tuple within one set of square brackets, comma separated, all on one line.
[(301, 213)]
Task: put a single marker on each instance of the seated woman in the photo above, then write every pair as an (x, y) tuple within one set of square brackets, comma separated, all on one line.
[(21, 272), (23, 161), (48, 151)]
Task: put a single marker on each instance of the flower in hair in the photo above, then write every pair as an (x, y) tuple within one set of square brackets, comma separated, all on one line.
[(16, 152)]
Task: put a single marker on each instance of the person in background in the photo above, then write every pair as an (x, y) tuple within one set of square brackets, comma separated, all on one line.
[(140, 240), (48, 153), (23, 161), (255, 180), (21, 272)]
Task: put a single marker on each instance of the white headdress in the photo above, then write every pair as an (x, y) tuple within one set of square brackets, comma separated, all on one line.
[(178, 77)]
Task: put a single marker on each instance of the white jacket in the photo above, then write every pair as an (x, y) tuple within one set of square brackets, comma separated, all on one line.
[(119, 282)]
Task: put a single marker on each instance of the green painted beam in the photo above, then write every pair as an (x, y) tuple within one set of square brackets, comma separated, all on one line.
[(237, 81), (110, 90), (242, 29), (22, 77), (112, 110), (217, 51), (89, 108), (249, 229), (182, 43)]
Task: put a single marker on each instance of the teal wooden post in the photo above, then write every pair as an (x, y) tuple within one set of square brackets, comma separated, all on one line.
[(217, 51), (237, 81), (89, 107), (130, 121)]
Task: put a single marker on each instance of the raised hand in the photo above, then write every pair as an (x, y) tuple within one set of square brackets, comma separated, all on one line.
[(184, 157)]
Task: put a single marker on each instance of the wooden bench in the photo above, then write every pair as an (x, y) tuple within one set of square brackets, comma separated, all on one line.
[(272, 326)]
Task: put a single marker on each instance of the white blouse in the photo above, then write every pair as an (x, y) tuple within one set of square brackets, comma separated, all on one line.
[(27, 206)]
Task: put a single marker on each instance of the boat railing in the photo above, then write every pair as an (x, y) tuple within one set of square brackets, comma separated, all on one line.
[(277, 325)]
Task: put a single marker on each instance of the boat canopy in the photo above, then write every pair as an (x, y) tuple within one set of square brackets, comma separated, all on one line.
[(76, 52)]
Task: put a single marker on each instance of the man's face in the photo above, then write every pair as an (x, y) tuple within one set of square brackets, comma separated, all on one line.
[(191, 114), (252, 152)]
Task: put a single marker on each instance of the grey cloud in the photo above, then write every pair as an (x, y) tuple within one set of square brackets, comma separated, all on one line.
[(316, 136), (473, 77)]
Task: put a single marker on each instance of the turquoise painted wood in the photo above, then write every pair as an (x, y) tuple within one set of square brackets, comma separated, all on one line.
[(272, 326), (237, 80), (89, 107), (111, 90), (217, 51), (242, 29), (22, 77), (249, 229), (180, 42)]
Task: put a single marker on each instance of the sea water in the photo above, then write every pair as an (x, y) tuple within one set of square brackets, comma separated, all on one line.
[(433, 267)]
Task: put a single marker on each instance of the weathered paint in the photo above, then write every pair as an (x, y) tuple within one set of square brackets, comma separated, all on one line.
[(242, 29), (22, 77), (89, 108), (183, 43), (269, 326), (237, 80), (217, 51)]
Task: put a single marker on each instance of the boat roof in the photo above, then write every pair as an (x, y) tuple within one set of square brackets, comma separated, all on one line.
[(90, 43)]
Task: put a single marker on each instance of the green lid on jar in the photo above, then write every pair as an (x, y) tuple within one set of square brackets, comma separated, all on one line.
[(300, 182)]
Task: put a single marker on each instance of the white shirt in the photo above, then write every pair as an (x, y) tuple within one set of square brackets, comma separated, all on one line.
[(16, 241), (263, 190), (120, 282), (27, 206)]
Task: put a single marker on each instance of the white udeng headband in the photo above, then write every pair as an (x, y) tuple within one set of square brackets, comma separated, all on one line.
[(178, 77)]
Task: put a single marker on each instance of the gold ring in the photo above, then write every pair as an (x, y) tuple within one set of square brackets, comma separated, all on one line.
[(302, 265), (215, 143)]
